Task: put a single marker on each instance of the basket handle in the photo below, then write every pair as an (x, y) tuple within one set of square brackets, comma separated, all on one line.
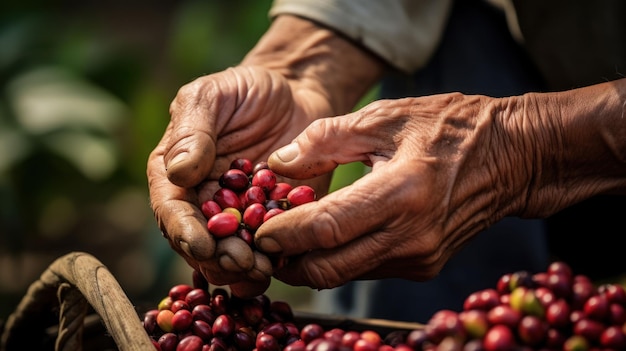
[(68, 286)]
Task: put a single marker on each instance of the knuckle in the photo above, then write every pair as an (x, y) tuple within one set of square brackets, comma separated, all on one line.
[(373, 106), (323, 275), (323, 128), (194, 94), (326, 230)]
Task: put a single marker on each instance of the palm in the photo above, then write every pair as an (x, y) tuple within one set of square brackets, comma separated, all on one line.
[(265, 116), (241, 112)]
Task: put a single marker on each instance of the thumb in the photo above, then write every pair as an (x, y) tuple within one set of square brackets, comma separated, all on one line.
[(189, 157), (320, 148)]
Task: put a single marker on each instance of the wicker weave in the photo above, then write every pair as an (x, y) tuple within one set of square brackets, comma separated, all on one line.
[(71, 287)]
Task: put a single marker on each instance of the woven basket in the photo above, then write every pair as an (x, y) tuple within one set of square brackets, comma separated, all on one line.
[(60, 302)]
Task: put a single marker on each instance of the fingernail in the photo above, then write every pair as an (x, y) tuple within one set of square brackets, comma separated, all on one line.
[(185, 247), (269, 245), (288, 153), (177, 159)]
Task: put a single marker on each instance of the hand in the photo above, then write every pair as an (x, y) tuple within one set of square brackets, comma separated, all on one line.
[(441, 172), (241, 112), (444, 167), (297, 72)]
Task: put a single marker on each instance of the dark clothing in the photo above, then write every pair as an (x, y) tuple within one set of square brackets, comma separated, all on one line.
[(575, 43)]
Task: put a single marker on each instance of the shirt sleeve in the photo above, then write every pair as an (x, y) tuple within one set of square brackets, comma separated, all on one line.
[(405, 33)]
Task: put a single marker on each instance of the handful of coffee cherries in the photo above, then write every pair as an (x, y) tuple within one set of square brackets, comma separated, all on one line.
[(249, 195)]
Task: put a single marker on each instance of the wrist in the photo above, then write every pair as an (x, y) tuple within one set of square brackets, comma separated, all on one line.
[(318, 59), (572, 145), (594, 125)]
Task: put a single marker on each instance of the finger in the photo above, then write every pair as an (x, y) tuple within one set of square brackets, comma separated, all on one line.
[(252, 283), (190, 150), (249, 289), (328, 142), (186, 232), (262, 267), (339, 217), (181, 222), (238, 265), (190, 160), (234, 254), (258, 278), (374, 256), (330, 268), (216, 275)]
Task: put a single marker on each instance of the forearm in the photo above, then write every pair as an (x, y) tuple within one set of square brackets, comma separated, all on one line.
[(317, 59), (578, 143)]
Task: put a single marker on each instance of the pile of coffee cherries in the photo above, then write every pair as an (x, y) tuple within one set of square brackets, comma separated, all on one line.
[(249, 195), (551, 310), (194, 318)]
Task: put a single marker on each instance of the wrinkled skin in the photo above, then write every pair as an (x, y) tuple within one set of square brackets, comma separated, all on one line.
[(240, 112), (444, 167), (435, 182)]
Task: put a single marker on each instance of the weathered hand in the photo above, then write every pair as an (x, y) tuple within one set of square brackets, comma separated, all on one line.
[(241, 112), (436, 180)]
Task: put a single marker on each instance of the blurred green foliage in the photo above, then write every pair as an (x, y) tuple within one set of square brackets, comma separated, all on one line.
[(84, 94)]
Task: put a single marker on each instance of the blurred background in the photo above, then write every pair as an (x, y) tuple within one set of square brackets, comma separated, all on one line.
[(85, 88), (84, 93)]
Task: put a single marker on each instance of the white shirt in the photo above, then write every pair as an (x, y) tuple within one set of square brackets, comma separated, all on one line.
[(403, 32)]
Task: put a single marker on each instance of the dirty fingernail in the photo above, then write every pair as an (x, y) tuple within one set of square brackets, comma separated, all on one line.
[(288, 153), (269, 245), (177, 159)]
